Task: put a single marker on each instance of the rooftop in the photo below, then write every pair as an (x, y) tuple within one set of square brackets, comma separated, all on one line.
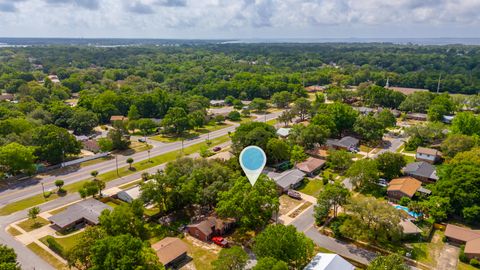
[(89, 209), (406, 185), (329, 261), (169, 248), (287, 178), (283, 132), (310, 165), (428, 151), (422, 169), (461, 233), (409, 228)]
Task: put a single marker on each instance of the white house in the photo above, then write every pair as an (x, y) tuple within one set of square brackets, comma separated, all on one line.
[(328, 261), (129, 195), (428, 155)]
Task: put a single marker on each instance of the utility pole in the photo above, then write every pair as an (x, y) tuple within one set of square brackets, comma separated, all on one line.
[(116, 163), (438, 85), (43, 191)]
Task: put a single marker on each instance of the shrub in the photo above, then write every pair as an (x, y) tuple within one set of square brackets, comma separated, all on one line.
[(462, 256), (335, 225), (475, 262), (234, 116), (47, 194), (55, 246), (325, 180), (404, 201)]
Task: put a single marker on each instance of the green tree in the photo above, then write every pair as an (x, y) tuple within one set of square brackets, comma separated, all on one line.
[(326, 121), (54, 143), (125, 219), (456, 143), (105, 144), (251, 206), (437, 207), (197, 119), (16, 158), (219, 118), (119, 142), (386, 118), (339, 159), (267, 263), (8, 258), (80, 256), (391, 262), (284, 243), (130, 162), (282, 99), (309, 136), (90, 188), (82, 121), (466, 123), (133, 113), (234, 116), (123, 252), (94, 174), (369, 128), (297, 154), (343, 116), (176, 121), (333, 196), (471, 214), (302, 107), (417, 102), (258, 104), (33, 213), (146, 126), (59, 184), (286, 117), (277, 150), (252, 133), (363, 174), (234, 258), (390, 164)]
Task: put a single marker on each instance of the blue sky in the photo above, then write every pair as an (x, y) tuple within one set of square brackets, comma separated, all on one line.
[(212, 19)]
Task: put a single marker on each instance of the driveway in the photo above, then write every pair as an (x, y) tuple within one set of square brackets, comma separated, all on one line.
[(448, 257)]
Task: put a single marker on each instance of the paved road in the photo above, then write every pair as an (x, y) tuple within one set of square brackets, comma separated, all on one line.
[(30, 260), (33, 186), (305, 223), (394, 144)]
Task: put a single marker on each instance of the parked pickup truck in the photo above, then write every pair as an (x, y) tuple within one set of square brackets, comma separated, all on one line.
[(294, 194), (220, 241)]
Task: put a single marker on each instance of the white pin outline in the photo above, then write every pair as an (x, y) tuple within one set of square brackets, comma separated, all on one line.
[(253, 175)]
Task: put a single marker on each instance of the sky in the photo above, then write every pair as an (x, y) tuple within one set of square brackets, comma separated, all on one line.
[(240, 19)]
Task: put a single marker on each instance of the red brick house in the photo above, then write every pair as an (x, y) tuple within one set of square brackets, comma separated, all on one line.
[(402, 187), (212, 226)]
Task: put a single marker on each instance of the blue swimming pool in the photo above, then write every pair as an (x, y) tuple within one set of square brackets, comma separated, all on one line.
[(411, 213)]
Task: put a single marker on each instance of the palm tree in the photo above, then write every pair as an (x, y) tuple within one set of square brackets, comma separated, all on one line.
[(130, 161), (94, 174)]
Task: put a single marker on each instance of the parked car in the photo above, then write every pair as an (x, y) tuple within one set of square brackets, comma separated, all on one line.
[(294, 194), (142, 140), (217, 148), (220, 241)]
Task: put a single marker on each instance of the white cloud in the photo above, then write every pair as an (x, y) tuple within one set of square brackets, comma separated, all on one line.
[(238, 18)]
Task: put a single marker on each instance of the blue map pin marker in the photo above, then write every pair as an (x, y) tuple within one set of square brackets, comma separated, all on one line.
[(253, 160)]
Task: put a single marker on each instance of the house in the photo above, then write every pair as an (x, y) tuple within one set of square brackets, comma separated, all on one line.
[(130, 194), (91, 145), (346, 143), (289, 179), (463, 236), (283, 132), (403, 187), (7, 97), (417, 116), (428, 155), (170, 251), (217, 103), (315, 88), (212, 226), (328, 261), (405, 90), (318, 153), (115, 118), (54, 78), (79, 214), (311, 166), (408, 228), (421, 170), (447, 119)]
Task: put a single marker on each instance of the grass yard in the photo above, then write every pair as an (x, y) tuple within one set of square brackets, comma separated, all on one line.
[(30, 225), (49, 258), (428, 252), (272, 122), (312, 187), (207, 128), (14, 232), (202, 257), (464, 266), (247, 119), (135, 147), (365, 148), (109, 176), (409, 159), (67, 243), (287, 204)]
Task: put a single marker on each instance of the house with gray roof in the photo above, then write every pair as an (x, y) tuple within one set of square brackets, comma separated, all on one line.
[(79, 214), (346, 143), (286, 180), (421, 170), (130, 194), (283, 132)]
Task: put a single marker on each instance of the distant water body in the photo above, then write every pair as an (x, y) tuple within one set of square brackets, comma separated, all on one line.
[(107, 42)]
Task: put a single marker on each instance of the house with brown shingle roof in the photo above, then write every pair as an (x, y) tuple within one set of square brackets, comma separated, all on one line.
[(429, 155), (464, 236), (210, 227), (114, 118), (403, 187), (170, 251), (311, 166)]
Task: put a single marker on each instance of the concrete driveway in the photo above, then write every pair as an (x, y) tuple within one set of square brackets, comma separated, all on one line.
[(448, 257)]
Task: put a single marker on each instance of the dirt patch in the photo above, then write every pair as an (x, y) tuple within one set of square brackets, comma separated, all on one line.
[(448, 258), (287, 204), (300, 210)]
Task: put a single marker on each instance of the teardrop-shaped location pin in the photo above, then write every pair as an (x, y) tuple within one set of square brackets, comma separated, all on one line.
[(252, 160)]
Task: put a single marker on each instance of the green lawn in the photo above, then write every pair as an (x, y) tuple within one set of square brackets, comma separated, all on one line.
[(109, 176), (409, 159), (365, 148), (66, 242), (271, 122), (207, 128), (202, 258), (312, 188), (425, 252), (14, 232), (464, 266), (30, 225), (49, 258)]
